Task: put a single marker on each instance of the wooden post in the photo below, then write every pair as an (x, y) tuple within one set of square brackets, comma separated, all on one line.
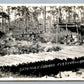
[(60, 74), (57, 33), (77, 29), (81, 37), (66, 29), (66, 34)]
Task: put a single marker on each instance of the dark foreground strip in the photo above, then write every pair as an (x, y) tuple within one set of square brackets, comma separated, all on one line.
[(42, 68)]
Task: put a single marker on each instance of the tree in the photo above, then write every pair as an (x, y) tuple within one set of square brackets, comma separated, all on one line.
[(45, 18), (80, 21), (52, 13), (8, 10), (1, 17), (4, 17), (36, 12), (14, 9)]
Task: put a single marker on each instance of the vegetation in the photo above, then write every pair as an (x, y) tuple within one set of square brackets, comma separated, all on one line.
[(39, 24), (43, 19)]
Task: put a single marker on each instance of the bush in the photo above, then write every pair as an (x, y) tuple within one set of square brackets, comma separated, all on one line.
[(56, 48)]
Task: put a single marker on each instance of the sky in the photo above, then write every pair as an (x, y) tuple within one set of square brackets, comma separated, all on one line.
[(41, 1)]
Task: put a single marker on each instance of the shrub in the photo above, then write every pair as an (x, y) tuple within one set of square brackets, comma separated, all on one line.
[(56, 48)]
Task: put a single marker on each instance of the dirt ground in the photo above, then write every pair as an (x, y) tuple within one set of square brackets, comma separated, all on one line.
[(65, 52)]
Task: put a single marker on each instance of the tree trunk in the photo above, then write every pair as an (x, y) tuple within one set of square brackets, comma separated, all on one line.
[(2, 21), (19, 23), (5, 25), (8, 18), (69, 15), (15, 19), (57, 34), (57, 30), (49, 23), (25, 21), (45, 18)]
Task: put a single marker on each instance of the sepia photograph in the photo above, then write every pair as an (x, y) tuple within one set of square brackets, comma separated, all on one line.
[(42, 42)]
